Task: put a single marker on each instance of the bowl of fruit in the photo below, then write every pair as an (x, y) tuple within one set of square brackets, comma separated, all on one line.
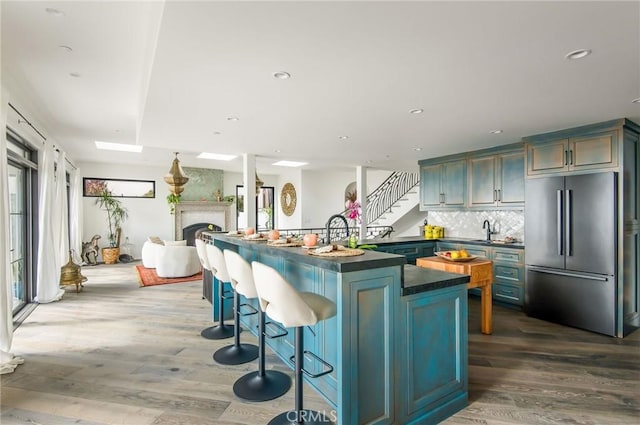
[(461, 255)]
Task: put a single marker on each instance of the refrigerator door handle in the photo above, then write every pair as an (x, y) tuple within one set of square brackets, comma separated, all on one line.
[(569, 214), (559, 232), (568, 274)]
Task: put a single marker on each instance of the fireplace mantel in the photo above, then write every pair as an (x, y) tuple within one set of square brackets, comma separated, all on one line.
[(191, 212)]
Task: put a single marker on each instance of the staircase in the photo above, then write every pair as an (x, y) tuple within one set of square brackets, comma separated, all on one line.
[(399, 209), (395, 197)]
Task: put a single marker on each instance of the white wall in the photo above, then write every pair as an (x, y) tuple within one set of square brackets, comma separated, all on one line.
[(323, 193), (319, 195), (147, 216)]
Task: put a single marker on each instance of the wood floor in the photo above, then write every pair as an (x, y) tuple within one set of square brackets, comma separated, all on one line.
[(120, 354)]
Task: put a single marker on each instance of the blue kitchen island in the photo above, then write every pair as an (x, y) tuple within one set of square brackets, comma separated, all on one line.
[(398, 343)]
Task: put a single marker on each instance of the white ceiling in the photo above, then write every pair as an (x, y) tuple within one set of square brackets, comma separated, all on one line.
[(167, 75)]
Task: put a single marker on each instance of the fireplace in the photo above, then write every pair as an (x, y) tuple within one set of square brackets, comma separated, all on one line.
[(192, 231), (189, 213)]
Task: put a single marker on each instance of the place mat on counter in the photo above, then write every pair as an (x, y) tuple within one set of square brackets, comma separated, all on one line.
[(263, 239), (287, 244), (342, 252)]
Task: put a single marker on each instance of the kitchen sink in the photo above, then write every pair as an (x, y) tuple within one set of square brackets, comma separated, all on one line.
[(481, 240)]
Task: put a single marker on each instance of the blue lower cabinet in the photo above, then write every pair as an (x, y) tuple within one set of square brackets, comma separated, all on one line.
[(397, 360), (412, 251), (433, 358)]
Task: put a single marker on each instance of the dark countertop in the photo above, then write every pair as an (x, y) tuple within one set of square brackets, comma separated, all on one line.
[(420, 279), (414, 239), (369, 260)]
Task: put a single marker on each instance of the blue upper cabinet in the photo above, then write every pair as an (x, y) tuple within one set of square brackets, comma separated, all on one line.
[(443, 185), (511, 179), (454, 187), (593, 151), (491, 178), (497, 180)]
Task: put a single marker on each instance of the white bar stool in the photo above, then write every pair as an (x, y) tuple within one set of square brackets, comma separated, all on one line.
[(284, 304), (261, 385), (219, 270), (237, 353), (204, 262)]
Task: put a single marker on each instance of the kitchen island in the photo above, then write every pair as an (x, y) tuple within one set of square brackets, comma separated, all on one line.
[(398, 343)]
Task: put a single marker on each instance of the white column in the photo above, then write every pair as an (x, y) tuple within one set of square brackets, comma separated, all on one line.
[(249, 183), (361, 187)]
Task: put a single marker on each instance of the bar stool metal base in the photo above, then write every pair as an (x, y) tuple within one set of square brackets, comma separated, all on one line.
[(217, 332), (236, 354), (253, 387), (308, 417)]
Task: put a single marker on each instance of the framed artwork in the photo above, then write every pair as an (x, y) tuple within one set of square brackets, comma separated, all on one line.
[(119, 188)]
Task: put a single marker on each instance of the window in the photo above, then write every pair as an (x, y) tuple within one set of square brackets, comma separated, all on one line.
[(22, 173)]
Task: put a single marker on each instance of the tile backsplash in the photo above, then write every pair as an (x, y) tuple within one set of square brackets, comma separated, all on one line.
[(468, 224)]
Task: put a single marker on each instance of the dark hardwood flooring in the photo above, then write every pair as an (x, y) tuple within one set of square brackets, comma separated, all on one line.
[(120, 354)]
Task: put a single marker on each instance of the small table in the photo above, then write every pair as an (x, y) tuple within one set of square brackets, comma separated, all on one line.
[(481, 272)]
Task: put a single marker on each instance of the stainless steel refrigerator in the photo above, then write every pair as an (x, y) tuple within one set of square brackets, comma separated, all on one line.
[(570, 236)]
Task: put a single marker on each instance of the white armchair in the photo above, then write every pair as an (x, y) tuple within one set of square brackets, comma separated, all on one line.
[(171, 259), (177, 261)]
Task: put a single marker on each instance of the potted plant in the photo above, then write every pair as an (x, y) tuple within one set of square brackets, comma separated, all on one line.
[(116, 214), (172, 200)]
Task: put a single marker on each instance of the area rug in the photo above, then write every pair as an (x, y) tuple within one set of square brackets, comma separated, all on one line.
[(148, 277)]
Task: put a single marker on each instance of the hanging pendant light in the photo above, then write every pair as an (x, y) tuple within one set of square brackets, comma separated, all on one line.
[(259, 184), (176, 179)]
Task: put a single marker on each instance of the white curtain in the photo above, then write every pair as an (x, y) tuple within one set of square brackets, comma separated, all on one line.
[(60, 213), (8, 362), (75, 216), (48, 271)]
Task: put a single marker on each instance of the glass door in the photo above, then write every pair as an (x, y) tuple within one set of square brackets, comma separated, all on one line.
[(264, 207), (17, 232)]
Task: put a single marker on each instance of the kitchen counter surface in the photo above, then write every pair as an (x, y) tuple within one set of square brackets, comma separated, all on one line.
[(414, 239), (369, 260), (419, 279)]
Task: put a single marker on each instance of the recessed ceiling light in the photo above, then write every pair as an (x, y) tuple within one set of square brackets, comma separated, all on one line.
[(282, 75), (277, 151), (290, 163), (233, 119), (417, 149), (578, 54), (216, 133), (218, 156), (124, 147), (368, 161), (66, 48), (54, 12), (496, 132), (416, 111), (636, 100), (74, 75), (343, 137)]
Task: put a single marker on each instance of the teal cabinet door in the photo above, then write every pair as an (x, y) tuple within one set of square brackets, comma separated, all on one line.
[(454, 183), (430, 191), (547, 158), (511, 176), (482, 181), (595, 151)]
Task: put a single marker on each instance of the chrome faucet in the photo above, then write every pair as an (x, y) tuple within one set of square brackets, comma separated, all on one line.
[(328, 230), (485, 224)]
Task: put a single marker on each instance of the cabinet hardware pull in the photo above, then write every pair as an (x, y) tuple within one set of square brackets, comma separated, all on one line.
[(500, 195), (571, 157), (495, 195), (565, 158), (568, 223), (559, 218)]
